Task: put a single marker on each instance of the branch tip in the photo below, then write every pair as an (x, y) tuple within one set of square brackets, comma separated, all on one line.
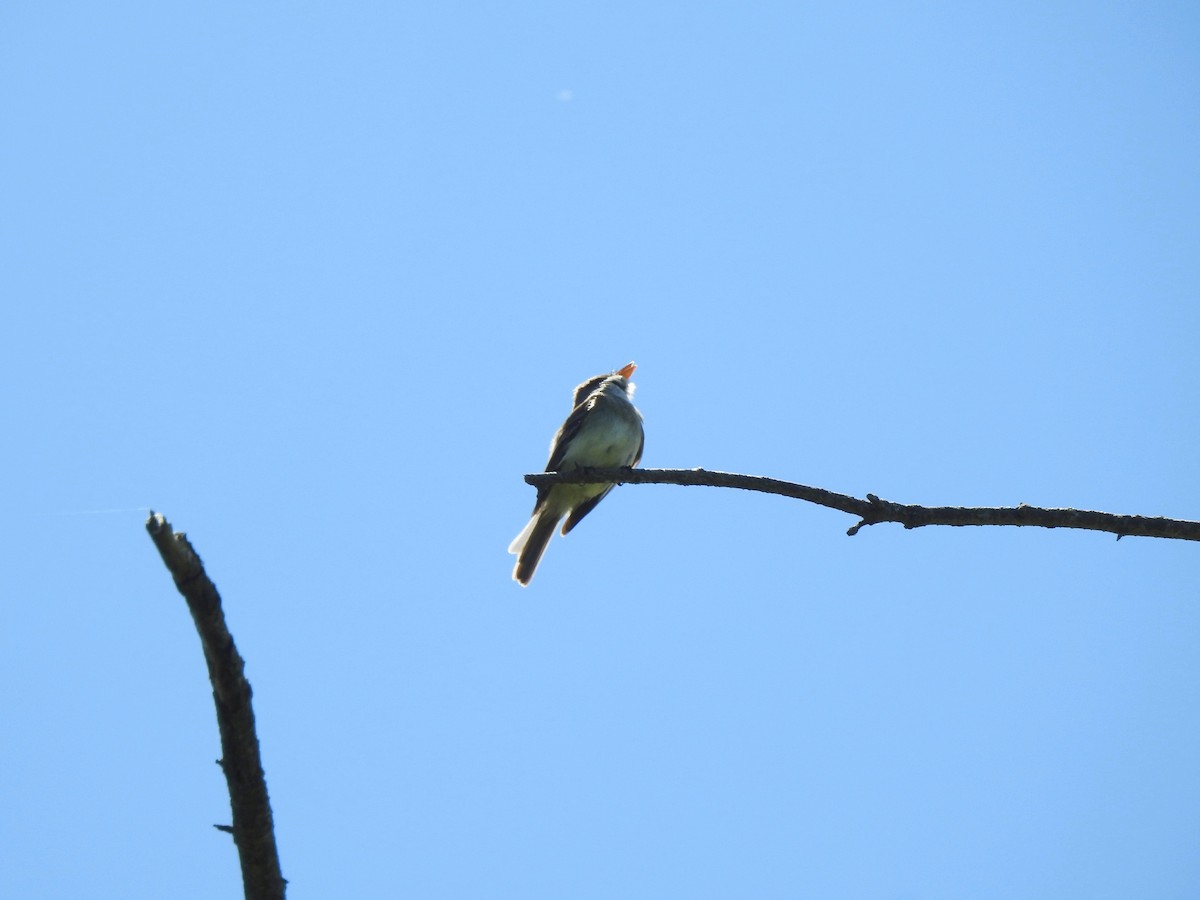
[(241, 760)]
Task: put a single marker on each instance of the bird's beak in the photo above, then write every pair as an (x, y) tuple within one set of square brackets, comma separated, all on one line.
[(626, 371)]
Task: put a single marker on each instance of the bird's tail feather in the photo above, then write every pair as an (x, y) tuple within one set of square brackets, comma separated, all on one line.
[(519, 541), (530, 544)]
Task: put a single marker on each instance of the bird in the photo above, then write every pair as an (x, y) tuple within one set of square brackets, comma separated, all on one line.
[(603, 431)]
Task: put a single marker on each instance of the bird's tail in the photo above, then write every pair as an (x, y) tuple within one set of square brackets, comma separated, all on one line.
[(530, 544)]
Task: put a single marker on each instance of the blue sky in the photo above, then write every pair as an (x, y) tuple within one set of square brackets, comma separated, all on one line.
[(316, 282)]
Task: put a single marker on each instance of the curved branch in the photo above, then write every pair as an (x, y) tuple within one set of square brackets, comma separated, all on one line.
[(253, 827), (873, 510)]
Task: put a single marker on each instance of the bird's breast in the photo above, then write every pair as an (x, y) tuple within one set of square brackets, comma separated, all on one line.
[(608, 440)]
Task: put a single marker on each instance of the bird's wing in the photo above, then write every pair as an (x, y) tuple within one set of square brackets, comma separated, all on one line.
[(583, 509), (558, 449), (566, 434)]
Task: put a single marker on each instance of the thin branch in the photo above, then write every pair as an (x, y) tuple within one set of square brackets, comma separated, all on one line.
[(873, 510), (253, 827)]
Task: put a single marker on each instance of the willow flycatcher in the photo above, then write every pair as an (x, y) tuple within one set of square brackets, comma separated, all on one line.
[(603, 431)]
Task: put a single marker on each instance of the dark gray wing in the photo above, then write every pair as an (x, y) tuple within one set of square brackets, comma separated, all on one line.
[(558, 449), (565, 435), (583, 509)]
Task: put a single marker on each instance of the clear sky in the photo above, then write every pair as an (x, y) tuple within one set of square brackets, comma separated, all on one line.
[(316, 281)]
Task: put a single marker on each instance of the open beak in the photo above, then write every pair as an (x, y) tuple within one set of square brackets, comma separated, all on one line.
[(626, 371)]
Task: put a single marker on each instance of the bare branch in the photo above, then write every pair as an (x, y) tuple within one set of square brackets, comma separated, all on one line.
[(253, 827), (873, 510)]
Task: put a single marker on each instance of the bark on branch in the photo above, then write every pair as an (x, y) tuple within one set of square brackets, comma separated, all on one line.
[(253, 827), (873, 510)]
